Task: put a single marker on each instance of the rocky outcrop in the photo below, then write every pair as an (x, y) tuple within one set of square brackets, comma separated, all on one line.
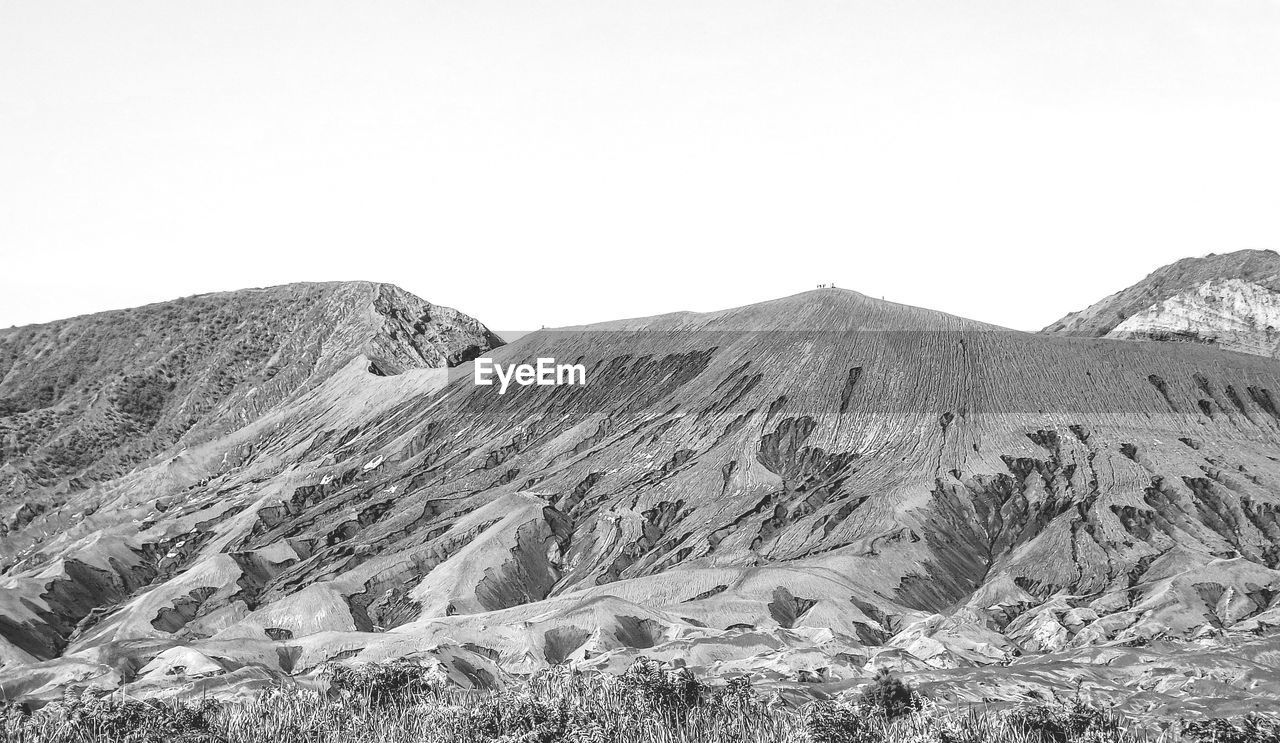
[(1228, 313), (1258, 267)]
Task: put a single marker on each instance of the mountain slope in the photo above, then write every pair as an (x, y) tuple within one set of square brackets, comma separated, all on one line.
[(1259, 269), (801, 489), (82, 400)]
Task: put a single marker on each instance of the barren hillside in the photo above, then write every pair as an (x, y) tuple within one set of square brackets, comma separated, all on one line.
[(798, 490)]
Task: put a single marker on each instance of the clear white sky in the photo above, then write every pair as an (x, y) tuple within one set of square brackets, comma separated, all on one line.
[(562, 161)]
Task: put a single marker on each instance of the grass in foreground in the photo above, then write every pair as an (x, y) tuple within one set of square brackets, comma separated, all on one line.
[(401, 702)]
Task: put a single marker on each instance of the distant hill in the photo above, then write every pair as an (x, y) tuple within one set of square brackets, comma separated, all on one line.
[(510, 336), (1230, 300)]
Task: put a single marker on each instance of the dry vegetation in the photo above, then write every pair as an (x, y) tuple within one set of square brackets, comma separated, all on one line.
[(87, 397), (404, 702)]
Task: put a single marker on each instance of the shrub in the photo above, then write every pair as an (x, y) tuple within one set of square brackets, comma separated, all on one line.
[(1253, 728), (835, 722), (1062, 723), (143, 398), (889, 696), (736, 694), (386, 683), (88, 716), (657, 689), (523, 717)]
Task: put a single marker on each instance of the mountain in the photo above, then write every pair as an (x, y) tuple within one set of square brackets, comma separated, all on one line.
[(83, 400), (1231, 301), (800, 490)]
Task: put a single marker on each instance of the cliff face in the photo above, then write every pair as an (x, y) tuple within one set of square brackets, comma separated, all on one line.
[(1257, 267), (1230, 313), (83, 400), (799, 490)]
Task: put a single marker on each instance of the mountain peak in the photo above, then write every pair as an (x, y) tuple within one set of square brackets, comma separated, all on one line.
[(826, 309)]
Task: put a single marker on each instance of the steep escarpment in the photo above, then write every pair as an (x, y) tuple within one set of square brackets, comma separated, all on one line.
[(82, 400), (799, 490)]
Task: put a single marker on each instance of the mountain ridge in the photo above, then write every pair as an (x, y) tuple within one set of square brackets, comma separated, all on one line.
[(802, 490)]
